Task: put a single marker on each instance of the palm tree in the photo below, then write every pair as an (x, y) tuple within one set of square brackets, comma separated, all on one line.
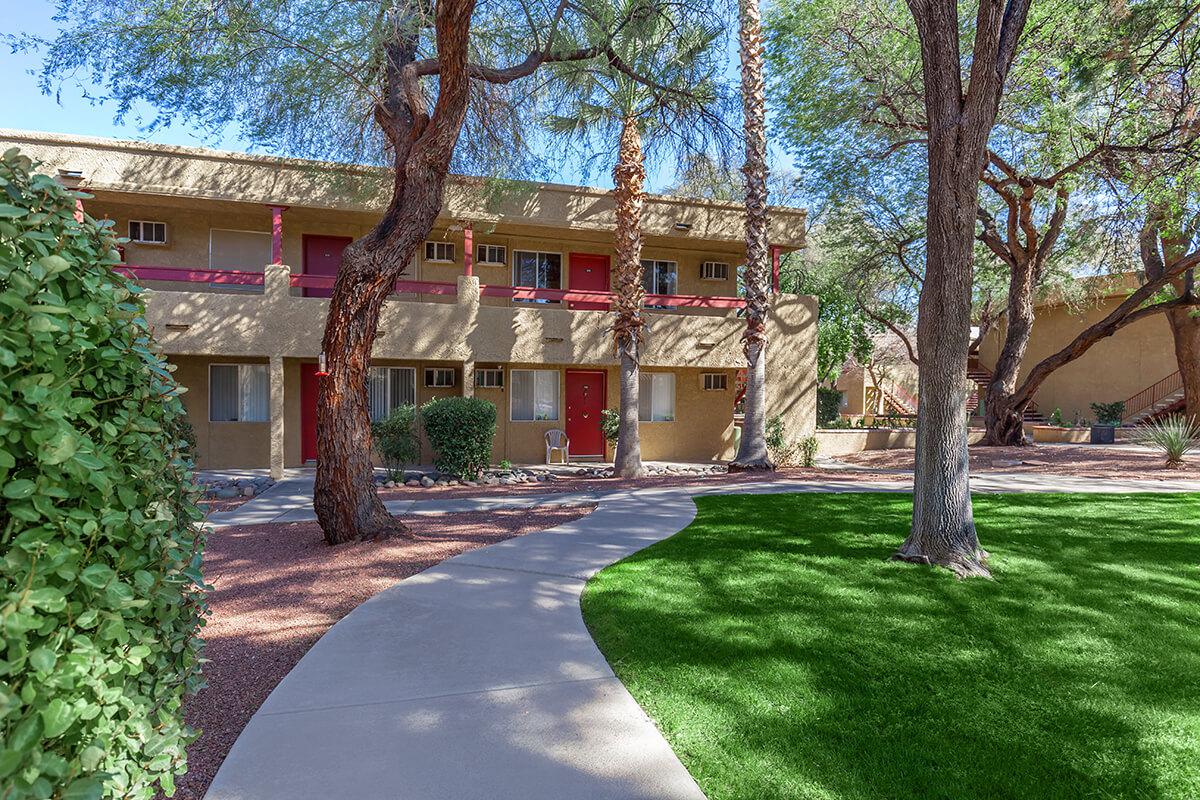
[(752, 452), (672, 106)]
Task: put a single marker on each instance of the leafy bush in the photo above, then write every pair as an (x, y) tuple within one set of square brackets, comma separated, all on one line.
[(1109, 413), (395, 439), (100, 567), (829, 406), (1056, 418), (1176, 436), (808, 451), (610, 423), (776, 438), (460, 430)]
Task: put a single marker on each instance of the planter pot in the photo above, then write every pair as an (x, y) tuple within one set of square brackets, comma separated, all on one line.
[(1104, 434), (1051, 434)]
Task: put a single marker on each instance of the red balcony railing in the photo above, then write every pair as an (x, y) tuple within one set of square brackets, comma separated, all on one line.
[(303, 280), (193, 275)]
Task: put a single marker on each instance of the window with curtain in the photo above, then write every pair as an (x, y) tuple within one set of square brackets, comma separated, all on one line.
[(248, 251), (537, 270), (239, 393), (388, 388), (656, 397), (534, 394), (659, 277)]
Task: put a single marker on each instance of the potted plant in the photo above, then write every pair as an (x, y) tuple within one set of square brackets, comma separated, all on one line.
[(1108, 417), (610, 421)]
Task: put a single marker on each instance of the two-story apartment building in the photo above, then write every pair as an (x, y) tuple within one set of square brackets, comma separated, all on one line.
[(507, 301)]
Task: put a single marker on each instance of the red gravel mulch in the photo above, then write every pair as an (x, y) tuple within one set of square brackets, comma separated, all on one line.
[(572, 483), (1097, 461), (277, 588)]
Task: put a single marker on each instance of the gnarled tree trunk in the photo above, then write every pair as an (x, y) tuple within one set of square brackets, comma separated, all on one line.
[(1185, 330), (344, 495), (752, 450), (959, 124), (629, 177)]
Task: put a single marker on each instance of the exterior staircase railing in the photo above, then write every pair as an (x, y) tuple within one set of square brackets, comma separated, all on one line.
[(982, 376), (1150, 397), (899, 398)]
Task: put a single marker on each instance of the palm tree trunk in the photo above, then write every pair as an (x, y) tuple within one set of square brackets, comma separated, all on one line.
[(752, 451), (629, 177)]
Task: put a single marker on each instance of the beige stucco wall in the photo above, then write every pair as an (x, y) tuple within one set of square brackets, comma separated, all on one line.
[(221, 445), (1115, 368), (109, 165)]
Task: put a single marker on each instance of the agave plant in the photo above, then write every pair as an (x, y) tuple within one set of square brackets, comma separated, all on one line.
[(1175, 435)]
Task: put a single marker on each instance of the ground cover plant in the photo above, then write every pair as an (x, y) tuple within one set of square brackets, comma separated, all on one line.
[(783, 656)]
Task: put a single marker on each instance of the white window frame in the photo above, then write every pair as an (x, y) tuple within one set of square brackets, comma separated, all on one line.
[(656, 261), (561, 262), (659, 382), (434, 373), (714, 382), (512, 395), (489, 378), (708, 271), (242, 371), (434, 247), (141, 223), (482, 251), (390, 401)]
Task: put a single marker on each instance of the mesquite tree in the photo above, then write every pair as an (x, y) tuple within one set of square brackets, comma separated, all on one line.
[(389, 81), (672, 109), (756, 277)]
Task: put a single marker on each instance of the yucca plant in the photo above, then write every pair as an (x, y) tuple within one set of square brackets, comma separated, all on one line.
[(1175, 435)]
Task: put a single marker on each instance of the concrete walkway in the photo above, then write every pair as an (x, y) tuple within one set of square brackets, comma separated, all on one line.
[(478, 678)]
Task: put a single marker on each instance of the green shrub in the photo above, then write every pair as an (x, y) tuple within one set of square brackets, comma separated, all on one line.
[(460, 430), (1056, 418), (808, 451), (1175, 436), (395, 438), (1109, 413), (829, 406), (610, 423), (103, 595)]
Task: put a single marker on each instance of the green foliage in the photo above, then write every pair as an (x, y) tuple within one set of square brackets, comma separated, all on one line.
[(1056, 418), (809, 446), (844, 331), (1175, 435), (610, 424), (1109, 413), (772, 641), (395, 439), (829, 406), (776, 438), (103, 595), (460, 430)]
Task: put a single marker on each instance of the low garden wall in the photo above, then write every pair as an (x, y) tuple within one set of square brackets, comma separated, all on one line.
[(834, 442)]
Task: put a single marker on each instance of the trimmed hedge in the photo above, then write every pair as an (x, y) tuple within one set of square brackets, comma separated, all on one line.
[(460, 430), (829, 406), (100, 571), (395, 438)]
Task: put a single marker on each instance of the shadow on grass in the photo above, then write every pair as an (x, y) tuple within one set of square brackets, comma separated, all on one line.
[(783, 655)]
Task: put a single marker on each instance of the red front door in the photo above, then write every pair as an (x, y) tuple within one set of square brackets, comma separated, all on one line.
[(589, 273), (323, 256), (308, 412), (586, 392)]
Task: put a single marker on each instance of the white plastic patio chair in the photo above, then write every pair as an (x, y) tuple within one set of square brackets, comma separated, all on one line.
[(557, 440)]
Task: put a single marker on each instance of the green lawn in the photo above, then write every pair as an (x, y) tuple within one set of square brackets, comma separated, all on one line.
[(784, 657)]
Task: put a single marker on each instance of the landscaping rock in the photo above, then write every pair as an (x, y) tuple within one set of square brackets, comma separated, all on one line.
[(413, 482), (427, 481), (227, 493), (247, 491)]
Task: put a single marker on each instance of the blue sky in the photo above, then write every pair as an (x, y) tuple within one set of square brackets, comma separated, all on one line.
[(24, 106)]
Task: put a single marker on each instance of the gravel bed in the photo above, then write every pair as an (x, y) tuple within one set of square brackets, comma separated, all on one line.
[(1083, 460), (277, 588)]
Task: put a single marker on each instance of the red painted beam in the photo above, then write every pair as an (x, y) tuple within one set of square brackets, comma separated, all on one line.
[(277, 233)]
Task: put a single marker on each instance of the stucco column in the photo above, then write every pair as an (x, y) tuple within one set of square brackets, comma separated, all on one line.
[(277, 283), (276, 417)]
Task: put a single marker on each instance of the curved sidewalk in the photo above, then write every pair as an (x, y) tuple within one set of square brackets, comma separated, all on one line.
[(478, 678)]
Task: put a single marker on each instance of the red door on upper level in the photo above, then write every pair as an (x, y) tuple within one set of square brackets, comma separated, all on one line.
[(308, 412), (586, 392), (589, 273), (323, 256)]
